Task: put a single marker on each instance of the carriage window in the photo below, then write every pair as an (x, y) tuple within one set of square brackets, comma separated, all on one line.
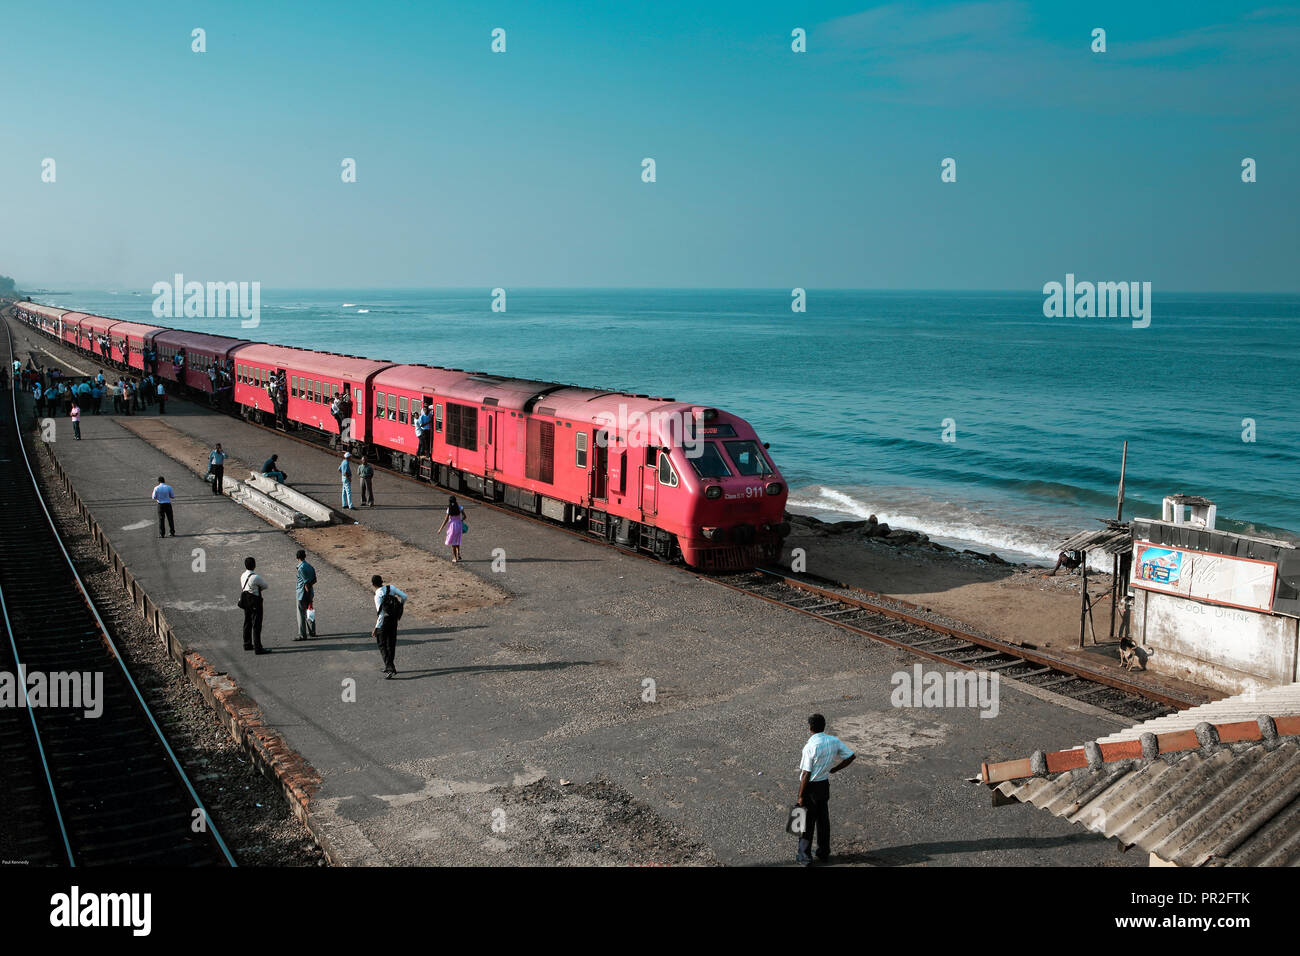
[(392, 408), (749, 460), (379, 404), (667, 476), (580, 454), (402, 404), (437, 418), (293, 386)]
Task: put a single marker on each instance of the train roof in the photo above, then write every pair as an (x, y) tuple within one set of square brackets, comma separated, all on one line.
[(135, 328), (46, 310), (519, 394), (197, 340), (328, 364), (590, 405), (97, 323), (420, 378), (74, 318)]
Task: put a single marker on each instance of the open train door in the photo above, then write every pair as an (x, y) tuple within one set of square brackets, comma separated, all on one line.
[(600, 473)]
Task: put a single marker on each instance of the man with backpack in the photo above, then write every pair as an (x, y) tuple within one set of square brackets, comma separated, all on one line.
[(389, 604)]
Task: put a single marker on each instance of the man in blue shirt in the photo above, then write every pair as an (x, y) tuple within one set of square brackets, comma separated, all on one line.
[(306, 595), (345, 470), (217, 467), (422, 430), (271, 468), (816, 764)]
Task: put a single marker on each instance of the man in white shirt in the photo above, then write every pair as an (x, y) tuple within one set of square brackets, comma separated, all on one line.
[(386, 622), (163, 494), (816, 764), (251, 586)]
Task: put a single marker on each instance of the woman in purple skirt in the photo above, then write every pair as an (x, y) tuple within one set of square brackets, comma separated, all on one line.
[(454, 522)]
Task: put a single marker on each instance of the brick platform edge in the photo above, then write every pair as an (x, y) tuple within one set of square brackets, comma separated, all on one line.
[(239, 713)]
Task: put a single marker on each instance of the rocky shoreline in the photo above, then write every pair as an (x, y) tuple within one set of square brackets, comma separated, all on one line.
[(902, 538)]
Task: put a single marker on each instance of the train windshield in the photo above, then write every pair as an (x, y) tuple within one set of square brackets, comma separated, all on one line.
[(709, 463), (749, 460)]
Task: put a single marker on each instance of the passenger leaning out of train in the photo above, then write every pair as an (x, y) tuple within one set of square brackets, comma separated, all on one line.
[(424, 431)]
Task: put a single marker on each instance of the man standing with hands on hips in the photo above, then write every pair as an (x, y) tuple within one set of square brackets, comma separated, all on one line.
[(816, 764)]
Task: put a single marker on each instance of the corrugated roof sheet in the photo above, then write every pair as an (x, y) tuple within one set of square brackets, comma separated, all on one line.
[(1235, 806), (1215, 785), (1281, 701), (1111, 540)]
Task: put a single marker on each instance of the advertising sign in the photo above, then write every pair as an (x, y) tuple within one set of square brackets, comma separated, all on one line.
[(1215, 578)]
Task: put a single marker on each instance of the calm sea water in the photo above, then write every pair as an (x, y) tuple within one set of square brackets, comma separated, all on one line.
[(853, 394)]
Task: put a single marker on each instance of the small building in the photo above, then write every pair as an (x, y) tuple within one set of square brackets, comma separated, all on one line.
[(1214, 607), (1215, 785)]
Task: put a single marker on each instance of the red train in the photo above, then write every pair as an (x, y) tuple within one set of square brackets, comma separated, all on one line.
[(672, 479)]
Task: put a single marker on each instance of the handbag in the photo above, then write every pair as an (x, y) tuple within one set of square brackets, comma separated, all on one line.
[(464, 527), (311, 619), (245, 600)]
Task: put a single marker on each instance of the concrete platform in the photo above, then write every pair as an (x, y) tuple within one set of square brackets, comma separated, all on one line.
[(433, 767)]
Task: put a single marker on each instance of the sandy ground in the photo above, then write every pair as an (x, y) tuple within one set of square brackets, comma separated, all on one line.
[(1016, 603), (433, 585)]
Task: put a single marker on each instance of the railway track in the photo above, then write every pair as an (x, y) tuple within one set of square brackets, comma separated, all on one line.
[(957, 648), (888, 624), (78, 790)]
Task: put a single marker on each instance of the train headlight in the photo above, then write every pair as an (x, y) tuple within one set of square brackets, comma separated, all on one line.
[(775, 488), (713, 491)]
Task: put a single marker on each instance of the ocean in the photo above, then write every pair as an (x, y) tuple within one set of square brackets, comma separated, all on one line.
[(858, 394)]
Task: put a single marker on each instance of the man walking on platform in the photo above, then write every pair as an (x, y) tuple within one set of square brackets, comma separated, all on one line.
[(389, 604), (306, 596), (163, 494), (217, 467), (816, 764), (162, 398)]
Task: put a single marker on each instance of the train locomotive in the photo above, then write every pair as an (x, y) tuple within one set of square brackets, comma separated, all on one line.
[(677, 480)]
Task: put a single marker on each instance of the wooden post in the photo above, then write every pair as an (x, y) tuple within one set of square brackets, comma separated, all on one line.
[(1119, 516)]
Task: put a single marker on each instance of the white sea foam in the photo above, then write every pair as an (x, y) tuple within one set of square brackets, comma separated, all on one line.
[(947, 523)]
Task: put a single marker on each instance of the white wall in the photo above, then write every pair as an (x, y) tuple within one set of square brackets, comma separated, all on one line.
[(1222, 647)]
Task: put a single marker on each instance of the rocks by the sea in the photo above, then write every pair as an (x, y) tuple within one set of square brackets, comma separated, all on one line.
[(991, 558), (902, 538)]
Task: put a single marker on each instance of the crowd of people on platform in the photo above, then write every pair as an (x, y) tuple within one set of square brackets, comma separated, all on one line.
[(55, 393)]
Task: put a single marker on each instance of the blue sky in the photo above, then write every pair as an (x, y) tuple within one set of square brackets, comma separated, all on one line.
[(775, 169)]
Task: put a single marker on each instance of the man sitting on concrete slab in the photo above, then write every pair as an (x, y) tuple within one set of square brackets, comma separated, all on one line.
[(271, 468)]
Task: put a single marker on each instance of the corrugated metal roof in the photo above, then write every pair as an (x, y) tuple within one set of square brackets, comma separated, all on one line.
[(1281, 701), (1214, 785), (1112, 540), (1235, 806)]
